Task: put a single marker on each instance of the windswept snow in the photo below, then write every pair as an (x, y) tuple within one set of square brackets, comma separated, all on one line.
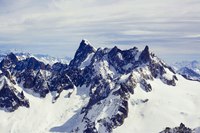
[(167, 106), (43, 114)]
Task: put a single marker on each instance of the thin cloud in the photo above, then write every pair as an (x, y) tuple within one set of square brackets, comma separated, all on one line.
[(164, 25)]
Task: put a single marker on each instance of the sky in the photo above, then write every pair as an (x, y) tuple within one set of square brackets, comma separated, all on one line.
[(171, 28)]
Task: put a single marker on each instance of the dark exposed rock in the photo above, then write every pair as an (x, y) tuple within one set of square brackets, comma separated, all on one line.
[(116, 58), (9, 61), (101, 92), (35, 81), (8, 74), (181, 129), (31, 64), (175, 78), (145, 55), (77, 76), (59, 67), (118, 119), (61, 81), (40, 85), (169, 81), (145, 86), (156, 69), (108, 125), (28, 78), (35, 76), (90, 128), (120, 59), (81, 54), (10, 98), (12, 57)]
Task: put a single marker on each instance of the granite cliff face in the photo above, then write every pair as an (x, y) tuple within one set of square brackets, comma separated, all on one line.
[(10, 97)]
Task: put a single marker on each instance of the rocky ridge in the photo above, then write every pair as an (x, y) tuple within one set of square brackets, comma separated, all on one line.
[(181, 129), (110, 74)]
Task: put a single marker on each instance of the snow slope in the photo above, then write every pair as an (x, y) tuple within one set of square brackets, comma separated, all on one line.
[(167, 106), (43, 114)]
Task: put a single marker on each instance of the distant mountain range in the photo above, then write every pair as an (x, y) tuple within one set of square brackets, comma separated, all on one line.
[(188, 69), (100, 90), (47, 59)]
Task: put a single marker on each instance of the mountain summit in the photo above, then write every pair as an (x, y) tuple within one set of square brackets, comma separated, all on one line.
[(84, 50)]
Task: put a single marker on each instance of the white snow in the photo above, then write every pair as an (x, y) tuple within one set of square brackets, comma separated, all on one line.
[(102, 68), (128, 66), (124, 77), (120, 56), (43, 114), (2, 81), (137, 56), (167, 106), (87, 61), (168, 75), (50, 60), (47, 59), (86, 41)]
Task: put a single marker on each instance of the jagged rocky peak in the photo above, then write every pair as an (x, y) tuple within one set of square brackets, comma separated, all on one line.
[(10, 97), (31, 63), (84, 50), (85, 42), (8, 61), (12, 57), (112, 76), (34, 76), (99, 54), (145, 55), (181, 129), (11, 61), (57, 67), (115, 50)]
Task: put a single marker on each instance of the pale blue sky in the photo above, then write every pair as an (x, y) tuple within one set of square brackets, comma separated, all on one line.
[(170, 27)]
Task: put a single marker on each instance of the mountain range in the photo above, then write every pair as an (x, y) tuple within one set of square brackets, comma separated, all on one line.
[(188, 69), (101, 90), (47, 59)]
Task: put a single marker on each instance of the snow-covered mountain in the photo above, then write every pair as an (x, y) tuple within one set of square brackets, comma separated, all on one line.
[(102, 90), (188, 69)]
